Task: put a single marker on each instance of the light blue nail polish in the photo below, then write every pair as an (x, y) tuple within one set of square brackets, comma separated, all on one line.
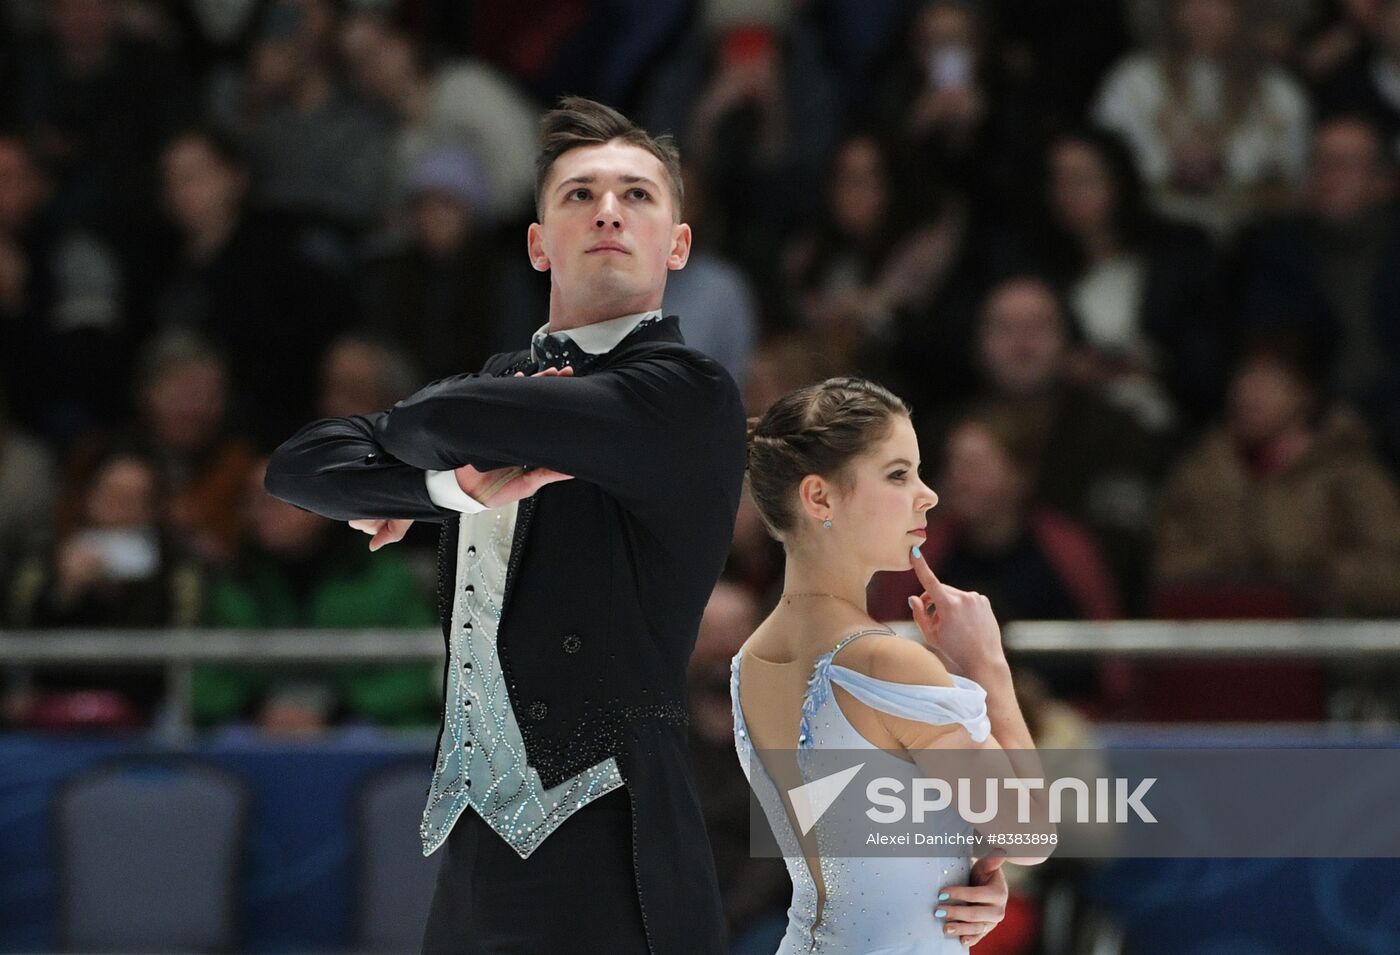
[(917, 553), (943, 896), (941, 913)]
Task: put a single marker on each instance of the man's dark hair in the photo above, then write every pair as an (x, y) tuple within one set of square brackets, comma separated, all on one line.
[(577, 121)]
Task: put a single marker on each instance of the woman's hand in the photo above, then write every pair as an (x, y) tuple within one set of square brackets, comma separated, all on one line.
[(957, 625), (972, 911)]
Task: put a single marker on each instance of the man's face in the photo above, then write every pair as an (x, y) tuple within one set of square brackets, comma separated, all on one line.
[(980, 480), (1022, 337), (1265, 399), (1348, 177), (198, 185), (607, 232)]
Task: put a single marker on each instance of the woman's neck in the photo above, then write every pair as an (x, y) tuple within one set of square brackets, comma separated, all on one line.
[(818, 573)]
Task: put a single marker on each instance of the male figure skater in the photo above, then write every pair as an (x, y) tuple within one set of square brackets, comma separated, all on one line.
[(587, 489)]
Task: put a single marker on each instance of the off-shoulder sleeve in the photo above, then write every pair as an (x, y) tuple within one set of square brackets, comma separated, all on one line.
[(965, 702)]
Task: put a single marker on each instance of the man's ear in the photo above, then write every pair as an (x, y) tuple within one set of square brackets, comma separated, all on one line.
[(680, 247), (534, 245)]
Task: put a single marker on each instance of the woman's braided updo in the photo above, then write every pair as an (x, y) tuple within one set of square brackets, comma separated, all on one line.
[(819, 430)]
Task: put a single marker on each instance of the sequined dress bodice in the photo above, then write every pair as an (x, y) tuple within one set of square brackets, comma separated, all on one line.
[(873, 905)]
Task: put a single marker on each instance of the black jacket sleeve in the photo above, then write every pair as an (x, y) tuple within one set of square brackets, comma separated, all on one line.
[(633, 428), (335, 468)]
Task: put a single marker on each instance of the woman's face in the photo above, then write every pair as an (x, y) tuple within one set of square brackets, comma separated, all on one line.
[(881, 513), (859, 193), (1081, 189)]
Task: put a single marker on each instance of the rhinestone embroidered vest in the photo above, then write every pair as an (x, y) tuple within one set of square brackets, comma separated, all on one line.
[(481, 756)]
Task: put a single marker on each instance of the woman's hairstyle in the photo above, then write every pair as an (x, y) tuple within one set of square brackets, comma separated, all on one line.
[(819, 429)]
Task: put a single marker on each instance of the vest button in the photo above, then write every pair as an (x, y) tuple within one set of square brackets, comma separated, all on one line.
[(573, 643), (538, 710)]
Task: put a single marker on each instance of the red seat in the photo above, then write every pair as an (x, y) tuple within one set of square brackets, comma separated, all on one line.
[(1228, 689)]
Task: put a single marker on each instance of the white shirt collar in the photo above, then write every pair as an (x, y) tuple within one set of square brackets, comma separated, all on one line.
[(602, 337)]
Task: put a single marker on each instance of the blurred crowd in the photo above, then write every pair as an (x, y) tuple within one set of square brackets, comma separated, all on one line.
[(1133, 263)]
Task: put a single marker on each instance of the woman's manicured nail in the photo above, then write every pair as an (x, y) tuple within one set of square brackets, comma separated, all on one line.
[(918, 554), (941, 913), (943, 896)]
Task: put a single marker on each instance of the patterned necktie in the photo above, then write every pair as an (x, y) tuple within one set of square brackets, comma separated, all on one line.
[(559, 351)]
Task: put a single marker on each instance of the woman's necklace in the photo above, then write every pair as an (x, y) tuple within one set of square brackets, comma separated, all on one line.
[(832, 596)]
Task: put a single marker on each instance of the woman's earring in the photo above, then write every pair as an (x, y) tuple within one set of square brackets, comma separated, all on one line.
[(827, 523)]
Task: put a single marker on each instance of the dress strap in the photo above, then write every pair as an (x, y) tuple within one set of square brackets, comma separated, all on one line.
[(965, 702), (819, 684)]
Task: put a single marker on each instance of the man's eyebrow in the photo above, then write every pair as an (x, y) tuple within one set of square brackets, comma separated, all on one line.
[(590, 179), (586, 180)]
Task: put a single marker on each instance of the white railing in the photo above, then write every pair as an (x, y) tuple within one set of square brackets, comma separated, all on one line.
[(178, 651)]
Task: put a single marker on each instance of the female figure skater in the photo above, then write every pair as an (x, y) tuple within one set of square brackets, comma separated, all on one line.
[(833, 470)]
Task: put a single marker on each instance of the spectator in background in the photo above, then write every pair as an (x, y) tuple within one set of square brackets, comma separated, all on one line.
[(64, 363), (27, 482), (452, 291), (315, 150), (783, 363), (987, 535), (99, 102), (461, 103), (181, 429), (752, 102), (240, 282), (113, 566), (1091, 460), (1286, 494), (871, 257), (1328, 273), (1144, 289), (362, 375), (719, 313), (780, 364), (1367, 82), (1060, 51), (298, 570), (946, 105), (756, 891), (1218, 134)]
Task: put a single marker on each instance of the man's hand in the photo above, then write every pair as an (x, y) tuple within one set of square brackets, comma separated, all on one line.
[(974, 910), (492, 488), (383, 532)]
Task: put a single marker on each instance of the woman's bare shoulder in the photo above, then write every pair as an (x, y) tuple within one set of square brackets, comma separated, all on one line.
[(895, 659)]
